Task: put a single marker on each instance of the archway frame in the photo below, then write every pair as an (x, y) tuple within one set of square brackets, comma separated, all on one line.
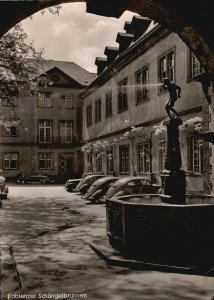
[(177, 17)]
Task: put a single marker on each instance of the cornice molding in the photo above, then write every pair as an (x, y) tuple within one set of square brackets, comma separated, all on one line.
[(135, 50)]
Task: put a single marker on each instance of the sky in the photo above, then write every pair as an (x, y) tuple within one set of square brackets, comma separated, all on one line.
[(74, 35)]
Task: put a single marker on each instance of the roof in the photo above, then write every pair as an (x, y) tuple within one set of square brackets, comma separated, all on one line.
[(71, 69), (153, 27)]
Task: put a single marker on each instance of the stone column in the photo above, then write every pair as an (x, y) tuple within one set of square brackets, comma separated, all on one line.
[(173, 179)]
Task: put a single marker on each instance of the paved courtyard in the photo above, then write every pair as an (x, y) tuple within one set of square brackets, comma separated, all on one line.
[(45, 233)]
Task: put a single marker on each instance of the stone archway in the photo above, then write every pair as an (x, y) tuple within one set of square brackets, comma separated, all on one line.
[(192, 23)]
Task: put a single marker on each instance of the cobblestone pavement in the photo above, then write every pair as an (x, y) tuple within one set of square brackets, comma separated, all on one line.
[(45, 233)]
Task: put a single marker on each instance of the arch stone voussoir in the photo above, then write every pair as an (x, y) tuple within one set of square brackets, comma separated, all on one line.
[(192, 22)]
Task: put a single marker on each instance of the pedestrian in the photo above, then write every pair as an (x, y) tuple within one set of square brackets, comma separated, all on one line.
[(174, 93)]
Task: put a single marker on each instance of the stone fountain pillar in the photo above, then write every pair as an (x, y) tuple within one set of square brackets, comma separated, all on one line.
[(173, 178)]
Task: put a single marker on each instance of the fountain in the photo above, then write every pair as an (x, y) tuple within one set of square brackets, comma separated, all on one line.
[(173, 179), (170, 229)]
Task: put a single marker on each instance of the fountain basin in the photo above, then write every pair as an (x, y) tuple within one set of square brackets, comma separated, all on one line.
[(149, 228)]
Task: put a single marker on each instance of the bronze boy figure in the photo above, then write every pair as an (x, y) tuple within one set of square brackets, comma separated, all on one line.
[(174, 93)]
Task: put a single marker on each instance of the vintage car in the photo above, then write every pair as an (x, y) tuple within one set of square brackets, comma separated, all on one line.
[(132, 185), (99, 188), (23, 177), (71, 184), (86, 182), (3, 188)]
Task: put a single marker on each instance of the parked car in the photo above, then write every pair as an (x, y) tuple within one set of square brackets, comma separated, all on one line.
[(86, 182), (3, 188), (23, 177), (99, 188), (92, 173), (132, 185), (71, 184)]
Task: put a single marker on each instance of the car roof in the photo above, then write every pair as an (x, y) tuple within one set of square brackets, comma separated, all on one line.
[(94, 175), (130, 178), (107, 178)]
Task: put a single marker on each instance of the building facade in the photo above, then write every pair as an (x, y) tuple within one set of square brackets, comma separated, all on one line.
[(48, 137), (124, 107)]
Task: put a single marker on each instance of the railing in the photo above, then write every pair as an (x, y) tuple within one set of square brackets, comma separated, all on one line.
[(59, 141)]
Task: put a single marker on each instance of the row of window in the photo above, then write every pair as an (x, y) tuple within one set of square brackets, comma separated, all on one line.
[(166, 68), (143, 158), (45, 100), (98, 109), (45, 131), (11, 161), (45, 159), (65, 131)]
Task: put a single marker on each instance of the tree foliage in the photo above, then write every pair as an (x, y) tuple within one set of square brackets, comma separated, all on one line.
[(19, 63), (54, 10)]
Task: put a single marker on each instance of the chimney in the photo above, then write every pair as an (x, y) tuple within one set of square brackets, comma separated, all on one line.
[(101, 63), (124, 40), (111, 53)]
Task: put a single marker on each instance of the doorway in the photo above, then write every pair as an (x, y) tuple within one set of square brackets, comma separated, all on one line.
[(66, 167), (69, 167)]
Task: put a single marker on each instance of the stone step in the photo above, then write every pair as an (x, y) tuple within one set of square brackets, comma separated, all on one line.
[(115, 258)]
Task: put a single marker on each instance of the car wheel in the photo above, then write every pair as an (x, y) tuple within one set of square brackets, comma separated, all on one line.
[(22, 182), (43, 182)]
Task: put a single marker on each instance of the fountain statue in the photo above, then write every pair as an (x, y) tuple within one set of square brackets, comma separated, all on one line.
[(170, 229), (174, 93)]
